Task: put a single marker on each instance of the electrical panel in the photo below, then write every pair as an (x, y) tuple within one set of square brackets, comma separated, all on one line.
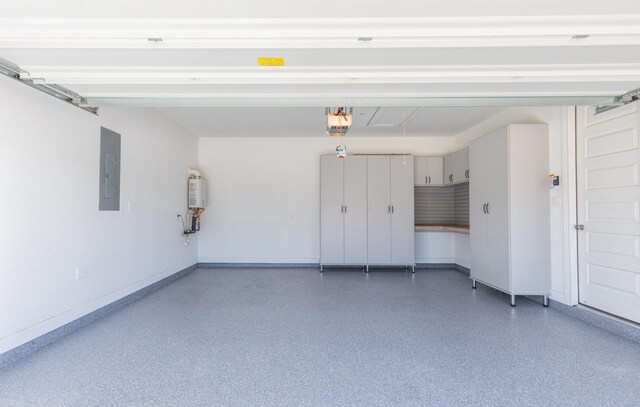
[(197, 193)]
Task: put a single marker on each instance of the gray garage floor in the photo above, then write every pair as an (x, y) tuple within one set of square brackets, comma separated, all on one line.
[(295, 337)]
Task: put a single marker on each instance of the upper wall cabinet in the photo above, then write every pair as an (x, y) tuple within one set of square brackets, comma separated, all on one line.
[(461, 172), (456, 167), (428, 170)]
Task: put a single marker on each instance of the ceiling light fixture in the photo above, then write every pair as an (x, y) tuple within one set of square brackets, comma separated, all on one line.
[(339, 120)]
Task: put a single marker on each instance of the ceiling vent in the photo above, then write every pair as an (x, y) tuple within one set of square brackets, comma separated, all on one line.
[(392, 116)]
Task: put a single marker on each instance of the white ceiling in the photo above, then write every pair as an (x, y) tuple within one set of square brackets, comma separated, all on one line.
[(360, 53), (307, 9), (311, 121)]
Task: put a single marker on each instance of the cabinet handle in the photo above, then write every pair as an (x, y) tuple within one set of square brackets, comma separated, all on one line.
[(426, 180), (388, 208), (391, 208), (429, 179), (345, 209), (487, 208), (484, 208)]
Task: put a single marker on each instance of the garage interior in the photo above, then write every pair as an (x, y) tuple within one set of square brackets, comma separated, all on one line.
[(179, 228)]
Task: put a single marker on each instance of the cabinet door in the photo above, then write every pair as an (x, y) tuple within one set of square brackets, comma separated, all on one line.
[(462, 165), (420, 170), (477, 216), (402, 208), (434, 170), (449, 168), (379, 209), (497, 190), (355, 212), (331, 208)]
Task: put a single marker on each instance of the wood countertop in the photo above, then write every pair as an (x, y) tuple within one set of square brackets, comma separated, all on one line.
[(444, 228)]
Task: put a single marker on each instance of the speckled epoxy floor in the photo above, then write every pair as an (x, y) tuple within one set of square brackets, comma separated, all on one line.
[(295, 337)]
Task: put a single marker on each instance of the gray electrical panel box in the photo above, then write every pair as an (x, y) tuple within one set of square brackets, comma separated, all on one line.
[(109, 199)]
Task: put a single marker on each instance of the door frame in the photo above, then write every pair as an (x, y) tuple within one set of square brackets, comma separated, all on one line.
[(570, 210)]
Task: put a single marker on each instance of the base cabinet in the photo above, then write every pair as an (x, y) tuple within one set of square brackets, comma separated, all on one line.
[(509, 210)]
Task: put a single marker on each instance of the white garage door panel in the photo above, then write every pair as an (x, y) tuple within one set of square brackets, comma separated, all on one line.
[(590, 118), (614, 244), (608, 159), (613, 211), (616, 142), (607, 277), (615, 176)]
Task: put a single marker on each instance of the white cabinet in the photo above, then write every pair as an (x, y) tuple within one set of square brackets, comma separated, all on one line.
[(343, 217), (450, 163), (367, 210), (428, 170), (509, 210), (461, 170), (456, 167), (390, 210)]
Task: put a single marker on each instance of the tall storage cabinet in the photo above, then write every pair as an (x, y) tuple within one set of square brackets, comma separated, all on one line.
[(366, 210), (390, 210), (509, 210), (343, 218)]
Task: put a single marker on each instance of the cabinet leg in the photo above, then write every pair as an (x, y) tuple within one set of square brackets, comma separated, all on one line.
[(473, 283), (545, 300), (367, 270), (513, 300), (413, 269), (321, 268)]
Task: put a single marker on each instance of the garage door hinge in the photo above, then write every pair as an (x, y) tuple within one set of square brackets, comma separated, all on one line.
[(12, 70), (630, 96), (621, 100)]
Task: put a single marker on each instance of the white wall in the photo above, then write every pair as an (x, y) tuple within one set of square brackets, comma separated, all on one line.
[(264, 193), (49, 218), (562, 201)]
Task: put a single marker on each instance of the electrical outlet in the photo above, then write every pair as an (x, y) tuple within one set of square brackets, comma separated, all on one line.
[(132, 206), (81, 272)]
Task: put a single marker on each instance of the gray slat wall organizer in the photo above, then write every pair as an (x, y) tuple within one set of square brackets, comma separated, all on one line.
[(442, 205), (461, 204), (109, 198)]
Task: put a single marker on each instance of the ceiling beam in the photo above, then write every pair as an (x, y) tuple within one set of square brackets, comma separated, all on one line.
[(298, 101), (313, 33)]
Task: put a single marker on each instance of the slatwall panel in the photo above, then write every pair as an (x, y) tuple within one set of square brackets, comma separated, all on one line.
[(434, 206), (461, 204), (442, 206)]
